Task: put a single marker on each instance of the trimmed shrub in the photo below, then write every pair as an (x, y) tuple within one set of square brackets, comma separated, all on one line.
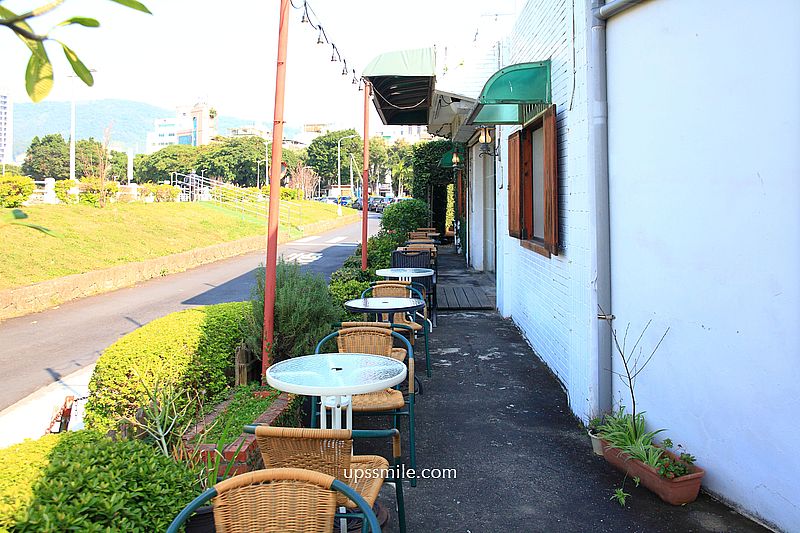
[(347, 290), (192, 350), (90, 190), (379, 251), (167, 193), (404, 217), (82, 481), (15, 189), (148, 189), (304, 312), (63, 188), (21, 466), (286, 193)]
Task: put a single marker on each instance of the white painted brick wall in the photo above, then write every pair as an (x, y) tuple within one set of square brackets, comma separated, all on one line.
[(549, 298)]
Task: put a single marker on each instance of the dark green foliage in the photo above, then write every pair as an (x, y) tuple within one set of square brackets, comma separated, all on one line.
[(47, 157), (347, 290), (232, 159), (351, 273), (304, 312), (430, 180), (191, 350), (321, 154), (15, 189), (159, 165), (403, 217), (87, 482)]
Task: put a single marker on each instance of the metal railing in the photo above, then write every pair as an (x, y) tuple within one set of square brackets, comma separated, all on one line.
[(196, 188)]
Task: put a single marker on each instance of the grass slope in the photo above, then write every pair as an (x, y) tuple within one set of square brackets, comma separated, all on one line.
[(90, 238)]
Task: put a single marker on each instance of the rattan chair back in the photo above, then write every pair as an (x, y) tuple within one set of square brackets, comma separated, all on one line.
[(365, 339), (323, 450), (287, 500)]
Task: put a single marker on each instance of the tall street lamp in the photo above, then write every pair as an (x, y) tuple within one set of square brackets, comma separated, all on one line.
[(258, 173), (72, 128), (339, 160)]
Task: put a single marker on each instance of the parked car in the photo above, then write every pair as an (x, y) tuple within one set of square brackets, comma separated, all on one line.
[(344, 200), (380, 206), (374, 201), (357, 204)]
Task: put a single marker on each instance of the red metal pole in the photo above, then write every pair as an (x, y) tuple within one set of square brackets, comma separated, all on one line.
[(365, 187), (275, 191)]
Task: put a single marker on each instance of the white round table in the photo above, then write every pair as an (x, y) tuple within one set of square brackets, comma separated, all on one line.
[(404, 274), (335, 377)]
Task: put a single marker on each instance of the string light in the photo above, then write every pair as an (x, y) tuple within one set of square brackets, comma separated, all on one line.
[(309, 16)]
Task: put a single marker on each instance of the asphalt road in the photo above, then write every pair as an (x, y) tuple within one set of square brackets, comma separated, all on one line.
[(38, 349)]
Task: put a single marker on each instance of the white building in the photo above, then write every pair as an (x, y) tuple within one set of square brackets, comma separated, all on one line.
[(6, 127), (192, 125), (651, 173)]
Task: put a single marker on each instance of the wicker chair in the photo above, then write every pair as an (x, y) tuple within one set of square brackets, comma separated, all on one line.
[(404, 289), (389, 402), (420, 258), (277, 500), (330, 451)]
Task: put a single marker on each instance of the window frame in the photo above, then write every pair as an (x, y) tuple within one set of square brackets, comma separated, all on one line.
[(520, 184)]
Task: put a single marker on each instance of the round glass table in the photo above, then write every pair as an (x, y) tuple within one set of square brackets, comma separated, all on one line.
[(384, 305), (404, 274), (335, 377)]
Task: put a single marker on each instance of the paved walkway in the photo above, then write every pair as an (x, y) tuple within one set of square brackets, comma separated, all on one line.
[(494, 412)]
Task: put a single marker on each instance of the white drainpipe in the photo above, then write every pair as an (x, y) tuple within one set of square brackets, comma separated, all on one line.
[(598, 190)]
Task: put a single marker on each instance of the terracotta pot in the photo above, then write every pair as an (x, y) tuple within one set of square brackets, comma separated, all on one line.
[(677, 491), (597, 444)]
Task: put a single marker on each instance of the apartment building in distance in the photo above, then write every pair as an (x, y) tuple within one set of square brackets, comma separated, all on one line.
[(192, 125), (6, 127)]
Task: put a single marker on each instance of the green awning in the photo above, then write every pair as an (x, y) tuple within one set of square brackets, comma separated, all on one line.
[(402, 85), (513, 94), (447, 159)]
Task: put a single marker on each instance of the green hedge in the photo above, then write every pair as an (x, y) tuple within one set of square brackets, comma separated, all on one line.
[(82, 481), (15, 189), (190, 349)]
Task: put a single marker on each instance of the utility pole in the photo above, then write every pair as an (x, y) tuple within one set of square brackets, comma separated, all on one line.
[(271, 265)]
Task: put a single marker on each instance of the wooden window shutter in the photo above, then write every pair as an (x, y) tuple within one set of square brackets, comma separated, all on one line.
[(550, 180), (514, 186)]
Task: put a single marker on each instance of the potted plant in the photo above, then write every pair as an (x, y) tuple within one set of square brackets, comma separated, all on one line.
[(630, 448), (593, 430)]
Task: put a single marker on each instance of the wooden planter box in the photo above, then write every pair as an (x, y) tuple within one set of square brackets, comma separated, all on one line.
[(248, 457), (677, 491)]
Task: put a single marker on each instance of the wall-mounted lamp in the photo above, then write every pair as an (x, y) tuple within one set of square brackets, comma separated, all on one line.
[(456, 159), (487, 146)]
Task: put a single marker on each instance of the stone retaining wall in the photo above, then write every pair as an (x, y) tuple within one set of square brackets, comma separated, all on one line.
[(20, 301)]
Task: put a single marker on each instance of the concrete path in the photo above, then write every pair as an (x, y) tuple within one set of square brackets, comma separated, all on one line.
[(494, 422), (44, 348)]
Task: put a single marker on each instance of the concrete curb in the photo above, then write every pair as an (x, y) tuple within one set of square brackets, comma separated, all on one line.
[(19, 301)]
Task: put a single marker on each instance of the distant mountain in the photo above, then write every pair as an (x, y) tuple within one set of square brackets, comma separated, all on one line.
[(130, 121)]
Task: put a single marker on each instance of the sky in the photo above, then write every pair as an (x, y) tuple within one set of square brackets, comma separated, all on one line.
[(224, 52)]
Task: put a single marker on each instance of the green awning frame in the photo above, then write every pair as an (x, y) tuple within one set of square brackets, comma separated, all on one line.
[(403, 83), (513, 94)]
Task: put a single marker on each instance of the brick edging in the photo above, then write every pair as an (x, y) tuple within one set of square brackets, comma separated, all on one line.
[(246, 458), (19, 301)]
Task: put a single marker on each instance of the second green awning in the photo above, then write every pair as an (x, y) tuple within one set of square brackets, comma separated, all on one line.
[(513, 94)]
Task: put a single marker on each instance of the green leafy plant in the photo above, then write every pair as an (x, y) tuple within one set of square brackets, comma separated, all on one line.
[(63, 188), (191, 350), (243, 409), (93, 191), (167, 193), (14, 190), (39, 72), (403, 217), (304, 311), (620, 496), (163, 418), (87, 482)]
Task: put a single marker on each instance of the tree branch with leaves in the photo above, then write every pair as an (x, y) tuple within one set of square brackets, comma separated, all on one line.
[(39, 71)]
